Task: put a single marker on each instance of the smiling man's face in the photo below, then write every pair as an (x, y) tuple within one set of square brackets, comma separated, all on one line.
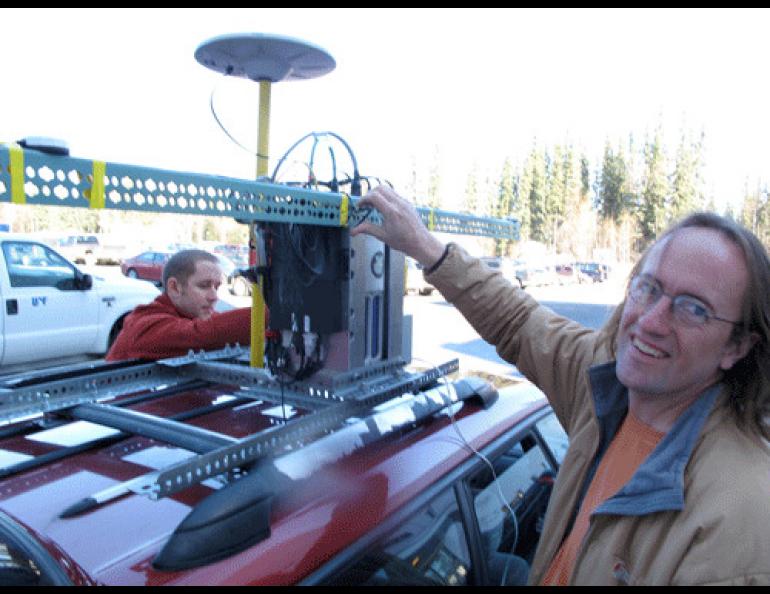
[(657, 356)]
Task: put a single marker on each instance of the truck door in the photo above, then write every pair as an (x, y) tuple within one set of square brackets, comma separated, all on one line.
[(2, 322), (46, 313)]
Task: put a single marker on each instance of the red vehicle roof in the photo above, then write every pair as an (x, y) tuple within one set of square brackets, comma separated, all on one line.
[(341, 488)]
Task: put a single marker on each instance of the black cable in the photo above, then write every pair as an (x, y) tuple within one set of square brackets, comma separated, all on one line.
[(305, 241), (313, 179), (334, 186), (230, 136), (356, 179), (286, 154)]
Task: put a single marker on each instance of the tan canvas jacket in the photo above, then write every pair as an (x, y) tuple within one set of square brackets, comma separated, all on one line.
[(696, 512)]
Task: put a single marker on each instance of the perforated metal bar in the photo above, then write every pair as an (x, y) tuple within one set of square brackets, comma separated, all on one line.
[(55, 395), (55, 180), (274, 441), (91, 385)]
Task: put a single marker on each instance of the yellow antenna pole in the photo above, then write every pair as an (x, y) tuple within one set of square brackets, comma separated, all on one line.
[(266, 59), (257, 299)]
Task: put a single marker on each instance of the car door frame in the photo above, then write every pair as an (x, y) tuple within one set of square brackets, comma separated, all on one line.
[(456, 479)]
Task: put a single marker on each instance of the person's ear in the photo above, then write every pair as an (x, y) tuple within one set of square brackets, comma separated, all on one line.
[(738, 349), (173, 287)]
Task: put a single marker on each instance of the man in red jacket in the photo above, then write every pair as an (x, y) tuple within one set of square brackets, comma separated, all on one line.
[(183, 316)]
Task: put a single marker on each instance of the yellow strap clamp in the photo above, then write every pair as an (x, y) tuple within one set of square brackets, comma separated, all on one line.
[(344, 210), (16, 167), (96, 196)]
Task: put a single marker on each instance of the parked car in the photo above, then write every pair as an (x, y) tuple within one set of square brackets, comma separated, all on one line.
[(594, 270), (510, 269), (536, 275), (233, 251), (226, 264), (146, 266), (238, 284), (81, 249), (526, 274), (415, 280), (52, 309), (387, 499), (231, 276), (571, 274)]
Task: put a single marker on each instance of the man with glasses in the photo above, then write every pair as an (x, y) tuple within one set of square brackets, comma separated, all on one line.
[(667, 478)]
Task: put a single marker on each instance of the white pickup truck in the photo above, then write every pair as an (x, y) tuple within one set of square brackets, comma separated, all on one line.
[(51, 309)]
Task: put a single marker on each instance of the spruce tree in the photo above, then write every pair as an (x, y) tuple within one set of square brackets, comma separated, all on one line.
[(434, 181), (686, 194), (471, 198), (655, 190), (611, 183), (554, 199), (536, 194), (504, 204)]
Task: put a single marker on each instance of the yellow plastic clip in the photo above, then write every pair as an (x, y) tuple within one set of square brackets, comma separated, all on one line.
[(344, 210), (16, 164), (257, 328), (96, 197)]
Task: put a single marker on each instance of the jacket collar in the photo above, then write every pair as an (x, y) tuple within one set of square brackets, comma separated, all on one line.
[(658, 484)]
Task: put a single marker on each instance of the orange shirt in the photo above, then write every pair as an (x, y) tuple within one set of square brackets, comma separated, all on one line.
[(629, 448)]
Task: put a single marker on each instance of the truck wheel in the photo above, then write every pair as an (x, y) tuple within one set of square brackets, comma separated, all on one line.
[(241, 287), (114, 331)]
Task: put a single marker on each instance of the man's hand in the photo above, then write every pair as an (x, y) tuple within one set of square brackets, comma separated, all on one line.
[(402, 229)]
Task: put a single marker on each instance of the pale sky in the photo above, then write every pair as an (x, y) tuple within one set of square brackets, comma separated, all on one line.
[(122, 85)]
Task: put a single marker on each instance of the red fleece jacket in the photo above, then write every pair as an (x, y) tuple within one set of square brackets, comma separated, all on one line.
[(157, 330)]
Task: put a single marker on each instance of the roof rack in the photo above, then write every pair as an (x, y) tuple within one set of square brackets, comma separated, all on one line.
[(100, 396), (214, 526)]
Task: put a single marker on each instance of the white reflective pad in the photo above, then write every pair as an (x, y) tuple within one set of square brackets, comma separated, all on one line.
[(9, 458), (73, 434)]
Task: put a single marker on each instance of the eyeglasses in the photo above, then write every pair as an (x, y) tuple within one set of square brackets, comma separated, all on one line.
[(688, 310)]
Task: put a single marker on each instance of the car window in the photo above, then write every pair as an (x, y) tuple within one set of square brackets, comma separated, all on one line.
[(34, 265), (428, 548), (555, 436), (510, 510)]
